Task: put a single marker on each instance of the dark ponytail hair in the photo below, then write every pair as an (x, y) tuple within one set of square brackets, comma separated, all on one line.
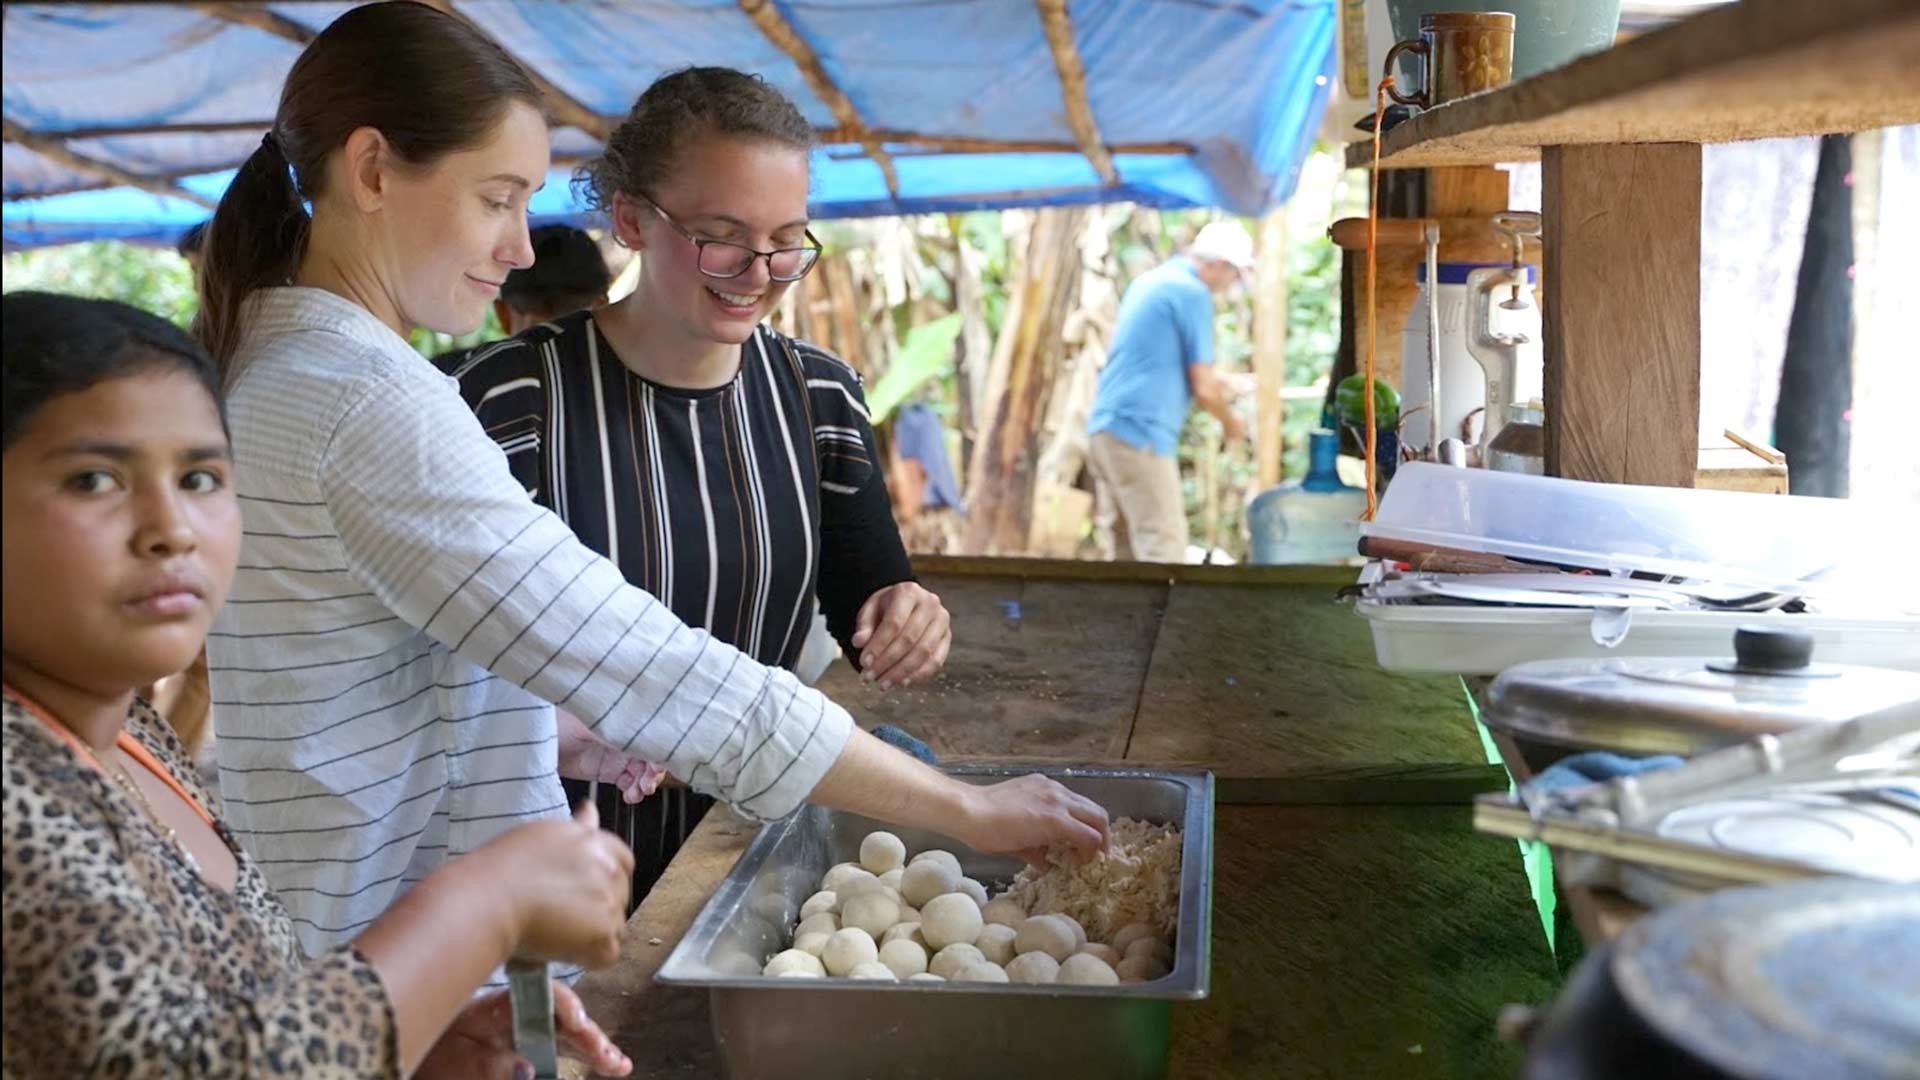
[(52, 345), (429, 82), (678, 108)]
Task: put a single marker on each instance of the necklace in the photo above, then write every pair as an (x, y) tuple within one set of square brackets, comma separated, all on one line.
[(120, 776)]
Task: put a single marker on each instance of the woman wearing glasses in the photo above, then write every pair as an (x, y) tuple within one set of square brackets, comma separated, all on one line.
[(726, 468)]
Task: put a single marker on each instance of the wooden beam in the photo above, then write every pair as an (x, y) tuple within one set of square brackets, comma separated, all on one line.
[(1622, 312), (561, 105), (966, 144), (258, 17), (1755, 70), (1270, 344), (55, 150), (788, 40), (1073, 87)]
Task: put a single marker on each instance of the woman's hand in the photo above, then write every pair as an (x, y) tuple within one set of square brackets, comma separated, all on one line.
[(1031, 815), (586, 756), (479, 1043), (567, 883), (903, 633)]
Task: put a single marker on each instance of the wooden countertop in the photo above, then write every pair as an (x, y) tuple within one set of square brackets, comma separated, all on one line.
[(1361, 928)]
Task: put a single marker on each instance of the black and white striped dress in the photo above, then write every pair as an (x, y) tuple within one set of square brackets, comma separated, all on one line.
[(736, 505)]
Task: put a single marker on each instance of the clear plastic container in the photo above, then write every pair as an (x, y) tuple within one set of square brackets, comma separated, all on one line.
[(1314, 520), (1768, 543)]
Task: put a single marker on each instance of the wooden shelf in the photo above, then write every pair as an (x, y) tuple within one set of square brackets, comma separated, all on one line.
[(1753, 70)]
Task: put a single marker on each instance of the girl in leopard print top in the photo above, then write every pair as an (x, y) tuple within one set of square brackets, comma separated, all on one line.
[(140, 940)]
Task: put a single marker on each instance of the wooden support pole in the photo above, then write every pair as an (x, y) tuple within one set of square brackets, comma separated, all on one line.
[(56, 151), (1073, 88), (1270, 343), (788, 40), (561, 105), (258, 17), (1622, 315)]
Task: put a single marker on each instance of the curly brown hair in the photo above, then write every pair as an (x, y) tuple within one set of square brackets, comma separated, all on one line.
[(680, 107)]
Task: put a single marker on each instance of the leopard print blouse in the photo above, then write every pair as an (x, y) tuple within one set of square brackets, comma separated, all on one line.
[(121, 961)]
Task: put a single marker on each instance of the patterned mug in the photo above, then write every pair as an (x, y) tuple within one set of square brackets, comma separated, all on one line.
[(1464, 52)]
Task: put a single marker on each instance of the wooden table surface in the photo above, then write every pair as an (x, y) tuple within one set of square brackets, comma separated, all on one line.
[(1361, 928)]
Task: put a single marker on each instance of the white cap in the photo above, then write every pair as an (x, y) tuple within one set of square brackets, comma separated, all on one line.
[(1224, 241)]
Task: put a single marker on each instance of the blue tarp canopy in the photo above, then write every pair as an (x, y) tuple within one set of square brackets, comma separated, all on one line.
[(1200, 102)]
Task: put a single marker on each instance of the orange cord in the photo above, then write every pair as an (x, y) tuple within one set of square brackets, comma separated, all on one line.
[(1373, 245)]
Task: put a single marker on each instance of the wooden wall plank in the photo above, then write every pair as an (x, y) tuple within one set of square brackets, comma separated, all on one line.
[(1622, 320)]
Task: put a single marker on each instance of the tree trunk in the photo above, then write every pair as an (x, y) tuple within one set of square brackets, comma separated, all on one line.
[(1026, 361)]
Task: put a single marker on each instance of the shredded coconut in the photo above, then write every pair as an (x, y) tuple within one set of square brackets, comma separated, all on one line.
[(1136, 880)]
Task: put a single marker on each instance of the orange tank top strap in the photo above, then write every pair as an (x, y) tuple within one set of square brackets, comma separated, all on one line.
[(128, 743)]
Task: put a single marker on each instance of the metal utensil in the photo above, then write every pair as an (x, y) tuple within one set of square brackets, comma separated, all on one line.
[(1431, 232), (530, 993)]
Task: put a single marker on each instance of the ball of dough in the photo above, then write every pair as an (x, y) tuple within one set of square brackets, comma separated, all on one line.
[(952, 958), (1079, 932), (902, 957), (794, 960), (904, 931), (833, 878), (813, 943), (857, 883), (1033, 967), (925, 880), (799, 975), (974, 889), (882, 851), (1140, 969), (873, 969), (953, 919), (1129, 934), (1047, 934), (848, 948), (891, 879), (981, 971), (892, 894), (1150, 946), (945, 858), (1108, 954), (996, 943), (825, 922), (823, 900), (871, 912), (1004, 911), (1083, 969), (925, 976), (909, 913)]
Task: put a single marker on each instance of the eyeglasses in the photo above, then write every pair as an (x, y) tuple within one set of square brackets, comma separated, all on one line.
[(722, 259)]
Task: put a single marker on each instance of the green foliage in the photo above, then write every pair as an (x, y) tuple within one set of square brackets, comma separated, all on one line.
[(154, 279), (926, 353), (431, 343)]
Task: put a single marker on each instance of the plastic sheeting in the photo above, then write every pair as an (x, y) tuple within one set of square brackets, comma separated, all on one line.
[(1242, 83)]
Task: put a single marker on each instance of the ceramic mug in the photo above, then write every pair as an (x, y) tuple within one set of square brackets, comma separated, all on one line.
[(1465, 52)]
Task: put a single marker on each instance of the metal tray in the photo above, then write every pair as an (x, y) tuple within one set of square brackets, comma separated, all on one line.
[(846, 1029)]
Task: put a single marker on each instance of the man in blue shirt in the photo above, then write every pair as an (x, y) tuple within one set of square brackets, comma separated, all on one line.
[(1159, 366)]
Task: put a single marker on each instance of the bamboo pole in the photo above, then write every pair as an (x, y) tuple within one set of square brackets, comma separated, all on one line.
[(563, 106), (56, 151), (259, 18), (788, 40), (1073, 88), (1270, 344)]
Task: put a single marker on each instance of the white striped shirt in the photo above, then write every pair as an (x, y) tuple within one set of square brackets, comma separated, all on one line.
[(398, 597)]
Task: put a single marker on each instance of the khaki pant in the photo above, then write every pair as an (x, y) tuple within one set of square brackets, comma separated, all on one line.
[(1139, 512)]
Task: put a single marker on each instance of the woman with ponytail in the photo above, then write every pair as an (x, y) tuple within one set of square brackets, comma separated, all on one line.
[(404, 617)]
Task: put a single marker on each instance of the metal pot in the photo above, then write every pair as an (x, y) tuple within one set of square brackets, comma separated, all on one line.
[(1688, 705), (1809, 979)]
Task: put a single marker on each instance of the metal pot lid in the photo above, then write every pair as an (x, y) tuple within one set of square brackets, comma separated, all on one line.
[(1687, 705), (1815, 978)]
